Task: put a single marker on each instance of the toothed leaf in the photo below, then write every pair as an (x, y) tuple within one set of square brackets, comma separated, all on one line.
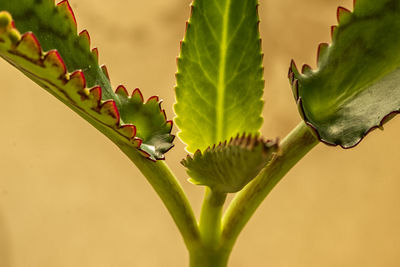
[(220, 75), (356, 86), (150, 121), (229, 166), (52, 54), (55, 27)]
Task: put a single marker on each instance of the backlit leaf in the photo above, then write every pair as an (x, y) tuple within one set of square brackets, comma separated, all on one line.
[(220, 75)]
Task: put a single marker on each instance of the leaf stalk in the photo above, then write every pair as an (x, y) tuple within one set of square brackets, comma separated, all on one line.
[(171, 193)]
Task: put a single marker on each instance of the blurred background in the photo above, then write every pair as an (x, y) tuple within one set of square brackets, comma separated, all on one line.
[(69, 197)]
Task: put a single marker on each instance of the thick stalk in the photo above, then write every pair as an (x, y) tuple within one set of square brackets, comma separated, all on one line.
[(209, 253), (293, 148), (209, 258), (210, 218), (171, 193)]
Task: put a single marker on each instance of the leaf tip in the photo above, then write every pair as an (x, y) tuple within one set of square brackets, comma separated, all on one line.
[(95, 53), (105, 71), (121, 90), (293, 68), (169, 124), (29, 46), (54, 61), (322, 51), (129, 130), (85, 38), (153, 99), (342, 13), (77, 79), (137, 94), (65, 8), (95, 94), (306, 69), (109, 107)]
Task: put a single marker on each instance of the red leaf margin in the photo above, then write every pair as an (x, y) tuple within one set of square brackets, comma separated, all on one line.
[(53, 60)]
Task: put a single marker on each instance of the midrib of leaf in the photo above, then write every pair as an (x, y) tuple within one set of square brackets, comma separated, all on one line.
[(216, 49), (221, 73)]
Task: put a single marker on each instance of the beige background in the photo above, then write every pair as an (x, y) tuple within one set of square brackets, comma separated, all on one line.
[(68, 197)]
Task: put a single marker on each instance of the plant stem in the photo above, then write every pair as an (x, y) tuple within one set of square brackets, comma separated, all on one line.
[(293, 148), (171, 193), (210, 217), (209, 258), (209, 253)]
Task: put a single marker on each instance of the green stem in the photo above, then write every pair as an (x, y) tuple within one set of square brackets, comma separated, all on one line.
[(171, 193), (293, 148), (210, 253), (209, 258), (210, 217)]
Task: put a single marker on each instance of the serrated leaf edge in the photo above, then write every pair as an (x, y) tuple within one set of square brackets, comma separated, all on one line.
[(269, 150), (180, 57), (322, 48), (77, 78), (245, 141)]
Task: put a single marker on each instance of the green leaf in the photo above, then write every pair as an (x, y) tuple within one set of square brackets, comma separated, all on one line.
[(52, 54), (229, 166), (356, 86), (220, 75), (55, 27)]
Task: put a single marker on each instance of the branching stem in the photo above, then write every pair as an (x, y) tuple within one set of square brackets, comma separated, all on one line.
[(212, 240), (293, 148), (171, 193)]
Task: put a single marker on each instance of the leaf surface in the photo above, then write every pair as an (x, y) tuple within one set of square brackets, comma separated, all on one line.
[(356, 86), (229, 166), (52, 54), (220, 75)]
